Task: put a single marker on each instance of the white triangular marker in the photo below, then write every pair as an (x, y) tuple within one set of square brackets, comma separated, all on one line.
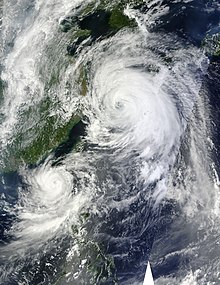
[(148, 279)]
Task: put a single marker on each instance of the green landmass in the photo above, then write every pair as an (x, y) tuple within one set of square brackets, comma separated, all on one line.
[(211, 45), (48, 139), (39, 132), (96, 21), (33, 144), (98, 266), (118, 20), (82, 81)]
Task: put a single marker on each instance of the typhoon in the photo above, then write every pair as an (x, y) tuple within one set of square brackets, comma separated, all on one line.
[(109, 142)]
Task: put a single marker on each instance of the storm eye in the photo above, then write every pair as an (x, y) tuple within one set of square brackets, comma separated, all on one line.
[(119, 105)]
